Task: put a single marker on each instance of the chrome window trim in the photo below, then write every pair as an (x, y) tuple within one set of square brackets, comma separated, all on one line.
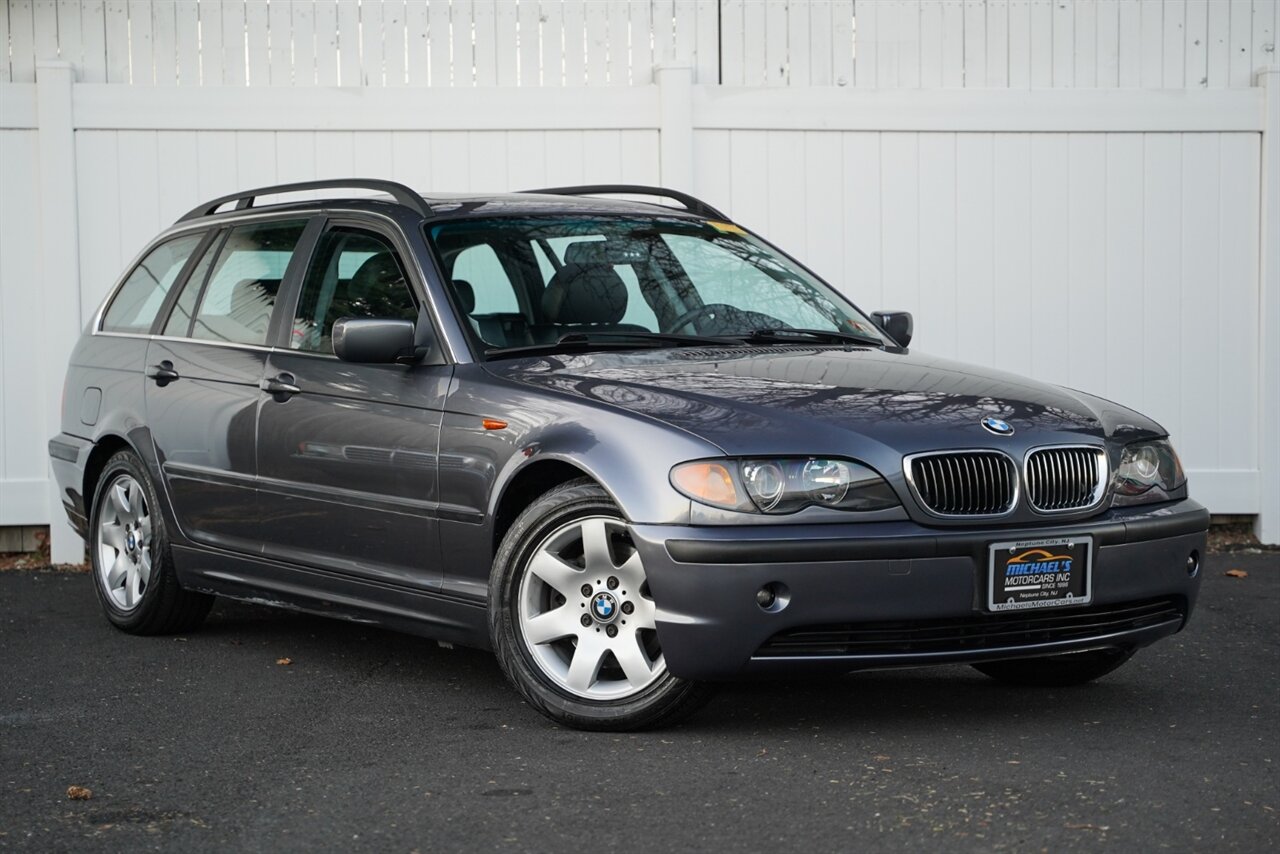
[(173, 338), (1100, 488), (923, 505)]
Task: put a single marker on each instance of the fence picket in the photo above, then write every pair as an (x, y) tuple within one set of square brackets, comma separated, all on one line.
[(506, 25), (417, 34), (325, 45), (1196, 62), (1085, 39), (349, 69), (483, 50), (1175, 44), (303, 38), (117, 39), (372, 45), (530, 44), (997, 44), (975, 43), (164, 40), (1108, 43), (257, 28), (395, 44), (1241, 65)]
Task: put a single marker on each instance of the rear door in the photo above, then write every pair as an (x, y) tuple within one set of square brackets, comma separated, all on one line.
[(347, 453), (203, 375)]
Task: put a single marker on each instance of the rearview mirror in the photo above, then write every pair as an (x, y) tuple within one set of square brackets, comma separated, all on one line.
[(898, 324), (374, 339)]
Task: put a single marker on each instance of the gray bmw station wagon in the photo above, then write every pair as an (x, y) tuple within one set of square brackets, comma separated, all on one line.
[(631, 447)]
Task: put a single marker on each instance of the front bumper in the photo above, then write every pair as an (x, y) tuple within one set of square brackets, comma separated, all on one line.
[(893, 594)]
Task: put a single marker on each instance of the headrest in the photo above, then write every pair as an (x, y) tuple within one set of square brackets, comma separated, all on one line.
[(585, 293), (376, 272), (586, 252), (466, 295)]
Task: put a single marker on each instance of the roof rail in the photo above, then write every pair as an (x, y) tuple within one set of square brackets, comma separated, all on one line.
[(693, 205), (399, 192)]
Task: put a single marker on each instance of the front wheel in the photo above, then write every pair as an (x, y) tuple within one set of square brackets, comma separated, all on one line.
[(1056, 671), (571, 617)]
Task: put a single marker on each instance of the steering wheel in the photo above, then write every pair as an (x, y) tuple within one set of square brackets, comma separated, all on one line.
[(697, 314)]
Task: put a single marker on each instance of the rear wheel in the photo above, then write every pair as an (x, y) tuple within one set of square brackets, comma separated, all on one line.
[(572, 618), (132, 565), (1056, 671)]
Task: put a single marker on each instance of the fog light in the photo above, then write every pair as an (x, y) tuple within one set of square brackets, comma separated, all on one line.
[(1193, 563), (773, 597)]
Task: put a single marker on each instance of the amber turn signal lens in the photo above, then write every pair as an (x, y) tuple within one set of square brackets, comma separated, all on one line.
[(493, 424), (710, 483)]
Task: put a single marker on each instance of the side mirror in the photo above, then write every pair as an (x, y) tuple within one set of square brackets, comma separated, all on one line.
[(898, 324), (374, 339)]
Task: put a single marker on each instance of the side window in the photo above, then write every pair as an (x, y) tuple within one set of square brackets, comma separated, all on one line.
[(140, 297), (354, 274), (479, 267), (241, 292), (179, 323)]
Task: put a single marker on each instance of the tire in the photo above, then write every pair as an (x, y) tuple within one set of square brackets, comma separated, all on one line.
[(1056, 671), (130, 556), (558, 547)]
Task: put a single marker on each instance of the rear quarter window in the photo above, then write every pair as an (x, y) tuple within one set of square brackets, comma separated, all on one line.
[(135, 305)]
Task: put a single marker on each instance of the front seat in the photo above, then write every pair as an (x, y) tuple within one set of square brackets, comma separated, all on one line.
[(590, 295)]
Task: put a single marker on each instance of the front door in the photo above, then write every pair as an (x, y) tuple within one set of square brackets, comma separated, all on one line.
[(347, 452), (202, 382)]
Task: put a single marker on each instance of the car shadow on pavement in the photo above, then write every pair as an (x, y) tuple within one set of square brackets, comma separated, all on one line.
[(901, 700)]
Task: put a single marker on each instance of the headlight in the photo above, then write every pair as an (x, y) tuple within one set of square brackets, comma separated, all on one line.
[(1148, 472), (785, 485)]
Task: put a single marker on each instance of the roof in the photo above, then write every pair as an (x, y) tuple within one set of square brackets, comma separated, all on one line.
[(583, 199)]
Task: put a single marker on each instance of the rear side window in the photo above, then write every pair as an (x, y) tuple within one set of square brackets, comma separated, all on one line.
[(353, 273), (241, 289), (139, 299)]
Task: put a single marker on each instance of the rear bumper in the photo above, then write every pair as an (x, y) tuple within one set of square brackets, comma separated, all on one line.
[(897, 594), (68, 456)]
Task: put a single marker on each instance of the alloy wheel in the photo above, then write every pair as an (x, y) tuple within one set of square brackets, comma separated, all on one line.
[(124, 543), (585, 612)]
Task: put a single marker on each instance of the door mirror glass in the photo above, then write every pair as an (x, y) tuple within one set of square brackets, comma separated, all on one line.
[(374, 339), (898, 324)]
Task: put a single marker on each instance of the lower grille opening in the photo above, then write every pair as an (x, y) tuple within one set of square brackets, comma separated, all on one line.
[(984, 632)]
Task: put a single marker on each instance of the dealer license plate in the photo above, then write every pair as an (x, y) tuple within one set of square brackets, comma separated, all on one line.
[(1040, 574)]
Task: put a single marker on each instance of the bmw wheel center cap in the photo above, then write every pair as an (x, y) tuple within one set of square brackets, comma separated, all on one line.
[(604, 607), (995, 425)]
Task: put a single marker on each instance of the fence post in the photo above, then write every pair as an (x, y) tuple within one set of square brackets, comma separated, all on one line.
[(1268, 524), (675, 127), (59, 267)]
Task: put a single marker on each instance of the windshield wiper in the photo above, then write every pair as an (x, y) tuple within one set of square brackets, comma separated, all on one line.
[(609, 340), (831, 335)]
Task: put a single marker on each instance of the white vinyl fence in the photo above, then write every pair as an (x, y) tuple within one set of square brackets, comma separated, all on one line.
[(1098, 181)]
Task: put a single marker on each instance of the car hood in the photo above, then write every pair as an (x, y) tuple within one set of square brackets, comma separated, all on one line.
[(790, 399)]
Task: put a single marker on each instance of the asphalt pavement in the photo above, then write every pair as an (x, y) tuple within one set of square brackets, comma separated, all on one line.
[(370, 740)]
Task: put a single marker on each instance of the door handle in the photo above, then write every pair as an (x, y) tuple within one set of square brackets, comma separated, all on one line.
[(163, 373), (281, 387)]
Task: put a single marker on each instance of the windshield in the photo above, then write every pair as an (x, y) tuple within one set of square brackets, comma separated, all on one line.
[(531, 282)]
